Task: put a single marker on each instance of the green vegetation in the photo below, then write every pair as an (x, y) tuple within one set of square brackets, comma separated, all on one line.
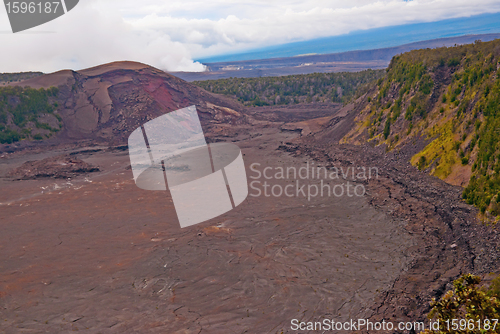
[(484, 188), (292, 89), (14, 77), (451, 97), (20, 111), (468, 308)]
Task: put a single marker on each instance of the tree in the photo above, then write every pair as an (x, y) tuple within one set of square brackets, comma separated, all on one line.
[(467, 308)]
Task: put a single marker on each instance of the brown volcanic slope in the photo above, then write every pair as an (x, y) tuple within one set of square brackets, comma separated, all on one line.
[(106, 103)]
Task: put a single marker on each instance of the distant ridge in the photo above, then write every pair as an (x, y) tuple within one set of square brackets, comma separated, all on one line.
[(350, 61), (385, 54), (378, 38)]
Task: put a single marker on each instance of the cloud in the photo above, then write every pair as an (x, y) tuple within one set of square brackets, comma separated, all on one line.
[(86, 37), (278, 22), (168, 34)]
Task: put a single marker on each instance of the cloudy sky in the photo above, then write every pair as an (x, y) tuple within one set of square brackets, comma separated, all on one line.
[(168, 34)]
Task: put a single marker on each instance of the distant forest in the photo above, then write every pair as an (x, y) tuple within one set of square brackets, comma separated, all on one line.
[(14, 77), (293, 89)]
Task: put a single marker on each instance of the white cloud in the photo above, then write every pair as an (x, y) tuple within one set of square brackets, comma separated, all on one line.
[(86, 37), (167, 34), (280, 22)]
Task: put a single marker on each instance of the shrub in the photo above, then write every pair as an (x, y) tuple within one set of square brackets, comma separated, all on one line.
[(422, 162), (9, 136), (469, 303), (453, 62), (387, 128)]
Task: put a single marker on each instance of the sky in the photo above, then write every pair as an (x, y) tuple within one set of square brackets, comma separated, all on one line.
[(170, 34)]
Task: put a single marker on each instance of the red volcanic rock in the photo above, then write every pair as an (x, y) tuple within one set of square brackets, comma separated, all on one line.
[(106, 103)]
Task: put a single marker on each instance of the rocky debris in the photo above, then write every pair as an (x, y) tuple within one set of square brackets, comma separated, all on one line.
[(451, 241), (288, 147), (252, 270), (60, 167)]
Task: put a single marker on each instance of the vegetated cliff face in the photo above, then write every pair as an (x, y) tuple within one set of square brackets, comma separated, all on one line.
[(450, 97), (106, 103)]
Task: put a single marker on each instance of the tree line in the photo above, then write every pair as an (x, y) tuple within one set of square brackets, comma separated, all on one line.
[(292, 89)]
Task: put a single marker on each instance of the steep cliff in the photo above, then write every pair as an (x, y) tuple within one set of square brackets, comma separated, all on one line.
[(444, 104)]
